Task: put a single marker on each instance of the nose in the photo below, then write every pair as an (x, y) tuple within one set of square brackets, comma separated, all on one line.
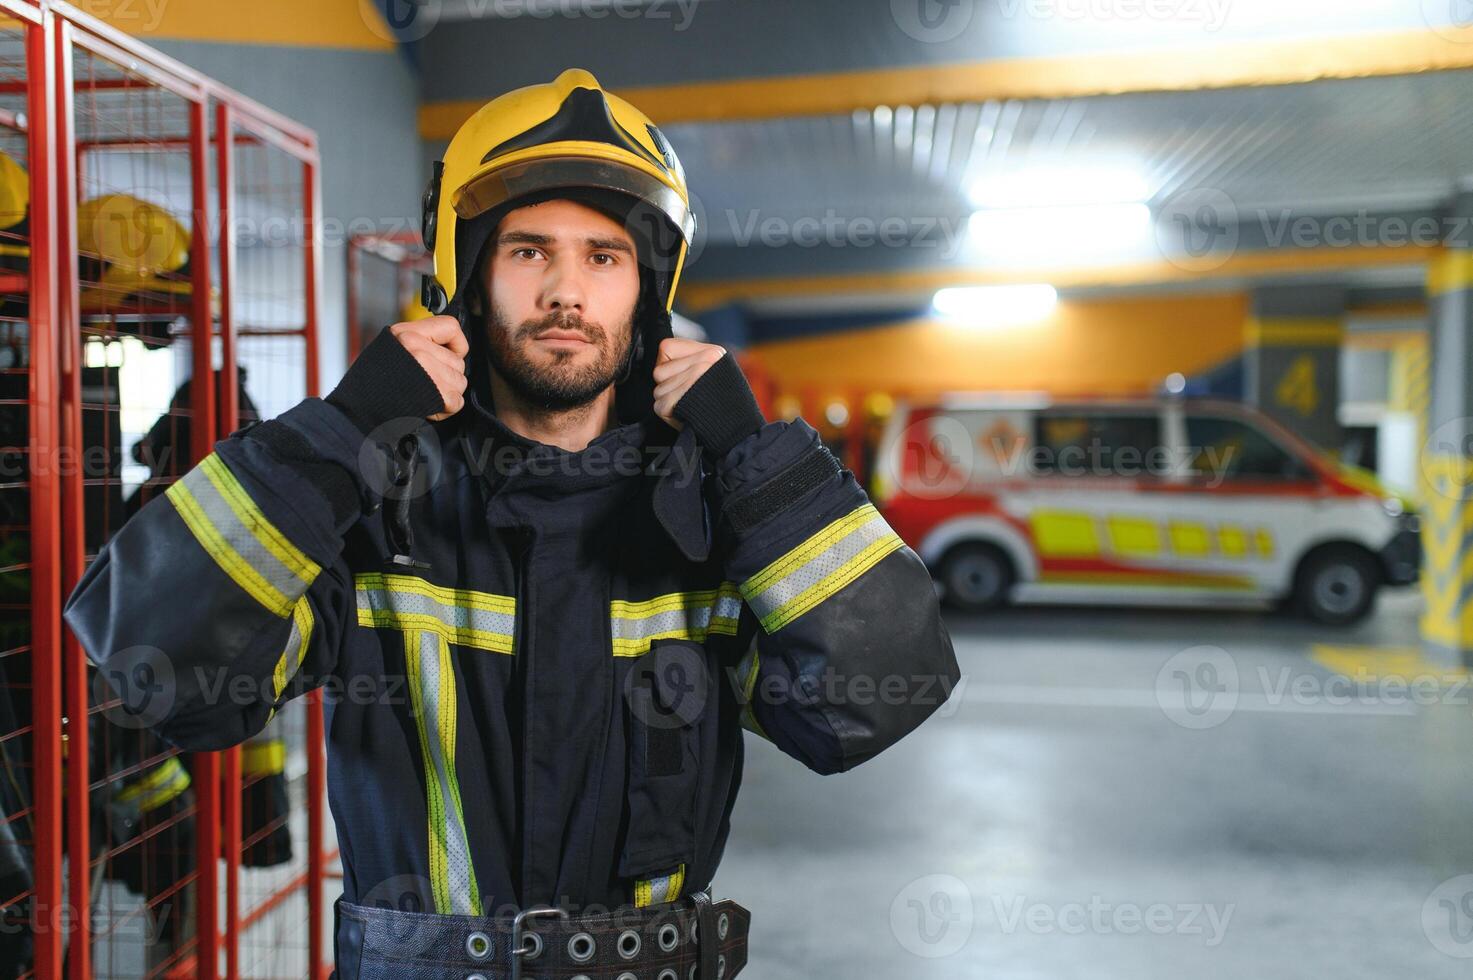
[(562, 288)]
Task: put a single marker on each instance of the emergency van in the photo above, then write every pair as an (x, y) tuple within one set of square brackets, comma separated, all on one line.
[(1169, 501)]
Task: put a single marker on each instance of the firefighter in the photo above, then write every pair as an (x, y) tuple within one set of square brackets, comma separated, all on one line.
[(547, 562)]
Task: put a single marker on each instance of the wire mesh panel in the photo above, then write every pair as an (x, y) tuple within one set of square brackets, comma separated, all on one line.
[(18, 814), (269, 316), (383, 284), (138, 279), (124, 355)]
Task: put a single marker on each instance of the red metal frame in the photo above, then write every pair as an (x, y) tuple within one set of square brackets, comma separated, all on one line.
[(54, 31)]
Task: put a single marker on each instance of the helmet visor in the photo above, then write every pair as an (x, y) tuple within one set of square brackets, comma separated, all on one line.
[(486, 191)]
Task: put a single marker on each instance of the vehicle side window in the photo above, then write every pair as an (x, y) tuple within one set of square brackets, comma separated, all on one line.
[(1230, 449), (1097, 444)]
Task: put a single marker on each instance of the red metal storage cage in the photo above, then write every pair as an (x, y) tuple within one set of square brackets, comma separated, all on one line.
[(159, 285)]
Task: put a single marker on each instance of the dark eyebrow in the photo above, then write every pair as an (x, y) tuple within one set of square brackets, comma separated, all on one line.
[(533, 238)]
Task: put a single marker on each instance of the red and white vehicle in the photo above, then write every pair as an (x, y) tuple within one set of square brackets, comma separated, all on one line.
[(1016, 498)]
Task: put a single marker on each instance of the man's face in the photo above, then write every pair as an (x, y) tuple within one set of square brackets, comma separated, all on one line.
[(562, 280)]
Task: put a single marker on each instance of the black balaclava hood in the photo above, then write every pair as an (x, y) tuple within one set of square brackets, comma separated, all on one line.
[(656, 243)]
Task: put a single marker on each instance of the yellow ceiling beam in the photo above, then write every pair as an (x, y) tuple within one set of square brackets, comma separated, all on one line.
[(696, 296), (1222, 65)]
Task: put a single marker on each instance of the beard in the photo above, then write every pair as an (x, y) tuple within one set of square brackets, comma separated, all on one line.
[(557, 380)]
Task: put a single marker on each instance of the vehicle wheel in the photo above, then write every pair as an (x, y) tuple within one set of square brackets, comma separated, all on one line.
[(976, 576), (1337, 586)]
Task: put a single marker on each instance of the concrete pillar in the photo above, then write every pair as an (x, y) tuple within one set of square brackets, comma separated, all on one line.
[(1291, 359), (1447, 455)]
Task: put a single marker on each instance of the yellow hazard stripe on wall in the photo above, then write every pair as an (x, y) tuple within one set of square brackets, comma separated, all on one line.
[(233, 531), (819, 567), (1450, 272), (1294, 331), (676, 615), (1447, 548), (654, 891), (432, 692), (481, 620)]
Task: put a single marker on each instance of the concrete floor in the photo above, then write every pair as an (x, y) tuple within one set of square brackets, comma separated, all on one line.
[(1133, 794)]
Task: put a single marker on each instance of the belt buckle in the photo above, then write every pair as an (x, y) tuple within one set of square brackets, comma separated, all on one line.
[(517, 952)]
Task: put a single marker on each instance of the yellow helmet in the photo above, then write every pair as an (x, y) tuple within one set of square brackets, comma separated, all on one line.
[(15, 192), (134, 239), (534, 141)]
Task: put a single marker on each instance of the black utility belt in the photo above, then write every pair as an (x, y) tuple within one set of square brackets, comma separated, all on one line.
[(672, 941)]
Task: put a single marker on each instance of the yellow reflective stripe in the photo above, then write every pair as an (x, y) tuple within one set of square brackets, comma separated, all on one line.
[(1134, 536), (1190, 540), (263, 758), (676, 615), (749, 684), (465, 598), (819, 567), (250, 515), (655, 891), (461, 616), (164, 783), (224, 553), (1064, 534), (432, 693), (297, 642)]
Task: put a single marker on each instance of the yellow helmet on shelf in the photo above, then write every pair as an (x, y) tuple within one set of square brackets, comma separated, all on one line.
[(15, 192), (537, 140), (134, 239)]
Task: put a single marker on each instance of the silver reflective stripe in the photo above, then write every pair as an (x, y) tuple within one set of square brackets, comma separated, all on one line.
[(676, 615), (819, 567), (432, 690), (463, 617), (248, 547), (653, 891)]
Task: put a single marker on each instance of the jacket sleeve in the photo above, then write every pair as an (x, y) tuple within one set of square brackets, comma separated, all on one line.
[(228, 595), (850, 653)]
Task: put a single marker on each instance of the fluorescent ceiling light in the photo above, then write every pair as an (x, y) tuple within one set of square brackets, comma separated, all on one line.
[(1061, 231), (1051, 187), (995, 305)]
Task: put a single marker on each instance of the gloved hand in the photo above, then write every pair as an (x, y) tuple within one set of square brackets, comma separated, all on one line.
[(700, 385), (410, 370)]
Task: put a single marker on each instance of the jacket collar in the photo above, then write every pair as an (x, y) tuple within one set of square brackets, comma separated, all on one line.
[(674, 465)]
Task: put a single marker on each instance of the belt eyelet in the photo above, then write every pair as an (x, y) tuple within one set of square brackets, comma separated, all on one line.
[(581, 947), (478, 945), (668, 974), (629, 943), (536, 948), (720, 966), (627, 976), (723, 925), (668, 936), (691, 973)]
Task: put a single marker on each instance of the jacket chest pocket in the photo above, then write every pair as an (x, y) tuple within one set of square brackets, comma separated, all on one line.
[(667, 695)]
